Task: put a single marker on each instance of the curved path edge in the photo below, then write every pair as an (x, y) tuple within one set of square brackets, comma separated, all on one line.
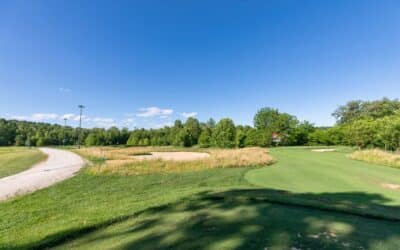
[(60, 165)]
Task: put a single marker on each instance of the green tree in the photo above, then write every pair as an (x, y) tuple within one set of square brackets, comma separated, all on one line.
[(318, 137), (362, 133), (299, 135), (240, 137), (91, 140), (224, 134), (7, 133), (205, 138), (273, 120), (358, 109), (211, 123), (192, 131), (183, 139)]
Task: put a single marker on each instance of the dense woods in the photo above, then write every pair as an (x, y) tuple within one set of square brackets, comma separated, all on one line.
[(365, 124), (359, 123), (23, 133), (225, 134), (271, 128)]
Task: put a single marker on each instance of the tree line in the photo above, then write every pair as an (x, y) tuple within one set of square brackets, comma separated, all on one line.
[(365, 124), (271, 127), (359, 123), (24, 133)]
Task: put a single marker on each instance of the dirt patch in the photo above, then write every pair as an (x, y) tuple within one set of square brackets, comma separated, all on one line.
[(173, 156), (321, 150), (391, 186)]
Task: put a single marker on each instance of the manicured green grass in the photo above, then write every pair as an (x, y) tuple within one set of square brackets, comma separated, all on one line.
[(17, 159), (300, 170), (212, 209), (237, 222), (89, 201)]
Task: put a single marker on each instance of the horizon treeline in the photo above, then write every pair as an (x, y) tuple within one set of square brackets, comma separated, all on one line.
[(268, 123), (359, 123)]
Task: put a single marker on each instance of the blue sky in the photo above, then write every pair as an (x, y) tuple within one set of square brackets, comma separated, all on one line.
[(147, 63)]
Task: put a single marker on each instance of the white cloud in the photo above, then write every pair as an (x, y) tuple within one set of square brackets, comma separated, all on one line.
[(72, 117), (52, 117), (190, 114), (128, 122), (102, 119), (154, 112), (19, 117), (44, 116), (64, 90), (37, 117), (102, 122)]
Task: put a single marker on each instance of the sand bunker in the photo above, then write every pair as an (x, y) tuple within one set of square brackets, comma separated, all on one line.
[(324, 150), (173, 156), (391, 186)]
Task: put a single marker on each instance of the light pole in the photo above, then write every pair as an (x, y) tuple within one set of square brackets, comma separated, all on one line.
[(81, 107), (65, 126)]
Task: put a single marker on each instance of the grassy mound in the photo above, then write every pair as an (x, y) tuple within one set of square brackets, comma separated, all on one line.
[(17, 159)]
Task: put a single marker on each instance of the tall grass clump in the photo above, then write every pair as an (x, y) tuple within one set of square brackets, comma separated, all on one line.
[(377, 156), (122, 161)]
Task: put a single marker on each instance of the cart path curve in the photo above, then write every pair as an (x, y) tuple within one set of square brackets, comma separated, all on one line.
[(60, 165)]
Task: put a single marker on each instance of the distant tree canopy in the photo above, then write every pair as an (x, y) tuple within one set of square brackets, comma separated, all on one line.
[(224, 134), (359, 123), (23, 133), (364, 124), (273, 120), (358, 109)]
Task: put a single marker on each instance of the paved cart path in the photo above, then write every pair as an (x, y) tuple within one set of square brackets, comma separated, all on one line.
[(60, 165)]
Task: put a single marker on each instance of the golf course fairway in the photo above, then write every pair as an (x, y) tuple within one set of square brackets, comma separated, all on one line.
[(301, 170)]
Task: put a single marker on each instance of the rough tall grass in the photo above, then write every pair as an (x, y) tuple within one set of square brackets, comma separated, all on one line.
[(377, 156), (122, 160)]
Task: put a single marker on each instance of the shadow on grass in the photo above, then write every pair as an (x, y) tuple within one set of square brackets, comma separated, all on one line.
[(245, 219)]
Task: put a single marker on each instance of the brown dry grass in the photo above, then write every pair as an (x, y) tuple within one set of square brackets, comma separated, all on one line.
[(377, 156), (121, 160)]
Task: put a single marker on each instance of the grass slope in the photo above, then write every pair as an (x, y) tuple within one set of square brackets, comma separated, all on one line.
[(238, 222), (17, 159), (211, 209), (300, 170), (88, 201)]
